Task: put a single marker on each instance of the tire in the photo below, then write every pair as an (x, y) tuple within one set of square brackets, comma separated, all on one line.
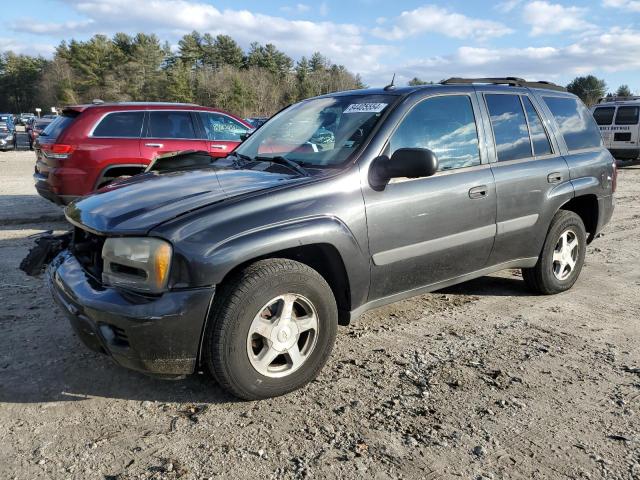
[(548, 276), (256, 294)]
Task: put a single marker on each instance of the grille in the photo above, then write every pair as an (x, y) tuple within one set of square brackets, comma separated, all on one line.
[(622, 137), (87, 248)]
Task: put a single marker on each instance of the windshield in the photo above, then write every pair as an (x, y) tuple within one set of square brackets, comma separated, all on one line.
[(322, 132)]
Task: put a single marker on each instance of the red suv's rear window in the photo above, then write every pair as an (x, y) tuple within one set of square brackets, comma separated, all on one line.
[(55, 128)]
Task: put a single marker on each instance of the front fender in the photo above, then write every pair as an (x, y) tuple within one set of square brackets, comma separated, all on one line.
[(214, 262)]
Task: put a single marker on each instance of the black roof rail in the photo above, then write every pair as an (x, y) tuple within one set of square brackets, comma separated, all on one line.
[(512, 81)]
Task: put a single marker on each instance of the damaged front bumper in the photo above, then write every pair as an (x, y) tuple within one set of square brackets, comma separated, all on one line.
[(156, 335)]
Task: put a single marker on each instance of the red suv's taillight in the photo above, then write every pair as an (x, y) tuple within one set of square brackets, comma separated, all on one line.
[(614, 178), (58, 150)]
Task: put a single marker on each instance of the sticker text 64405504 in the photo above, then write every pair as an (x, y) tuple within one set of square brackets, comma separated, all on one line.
[(365, 108)]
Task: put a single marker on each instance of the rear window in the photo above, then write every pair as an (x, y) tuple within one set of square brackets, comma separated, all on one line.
[(120, 125), (55, 128), (627, 115), (577, 125), (604, 115)]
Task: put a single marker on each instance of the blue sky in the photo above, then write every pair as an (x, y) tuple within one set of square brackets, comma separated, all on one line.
[(535, 39)]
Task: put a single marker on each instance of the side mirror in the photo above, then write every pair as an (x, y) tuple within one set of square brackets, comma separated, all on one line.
[(405, 162)]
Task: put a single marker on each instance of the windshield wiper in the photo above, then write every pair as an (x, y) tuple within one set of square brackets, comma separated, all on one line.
[(280, 160)]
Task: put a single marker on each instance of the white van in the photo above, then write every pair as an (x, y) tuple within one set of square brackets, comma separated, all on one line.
[(619, 121)]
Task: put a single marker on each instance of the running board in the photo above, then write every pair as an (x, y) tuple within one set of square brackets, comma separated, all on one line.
[(380, 302)]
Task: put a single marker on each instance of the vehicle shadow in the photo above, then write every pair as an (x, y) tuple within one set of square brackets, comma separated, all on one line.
[(491, 286)]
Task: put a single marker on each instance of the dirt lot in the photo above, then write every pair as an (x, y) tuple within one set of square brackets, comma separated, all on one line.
[(482, 380)]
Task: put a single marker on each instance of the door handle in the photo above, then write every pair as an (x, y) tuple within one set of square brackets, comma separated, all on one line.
[(218, 147), (478, 192), (555, 177), (155, 145)]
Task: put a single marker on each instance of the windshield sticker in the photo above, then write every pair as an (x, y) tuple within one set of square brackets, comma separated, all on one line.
[(365, 108)]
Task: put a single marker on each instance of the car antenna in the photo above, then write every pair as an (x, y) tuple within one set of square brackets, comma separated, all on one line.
[(392, 85)]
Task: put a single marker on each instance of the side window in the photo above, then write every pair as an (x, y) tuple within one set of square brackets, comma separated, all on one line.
[(121, 125), (446, 125), (576, 123), (539, 138), (604, 115), (509, 127), (165, 124), (627, 116), (221, 127)]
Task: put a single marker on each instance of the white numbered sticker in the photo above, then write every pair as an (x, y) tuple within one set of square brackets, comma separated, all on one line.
[(365, 108)]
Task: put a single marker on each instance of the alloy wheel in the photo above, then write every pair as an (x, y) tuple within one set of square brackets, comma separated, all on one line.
[(282, 335), (565, 255)]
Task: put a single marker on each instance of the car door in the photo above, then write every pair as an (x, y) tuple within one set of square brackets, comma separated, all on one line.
[(169, 131), (222, 133), (532, 178), (427, 230)]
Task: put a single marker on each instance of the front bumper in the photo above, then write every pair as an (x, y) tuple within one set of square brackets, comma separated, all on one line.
[(156, 335)]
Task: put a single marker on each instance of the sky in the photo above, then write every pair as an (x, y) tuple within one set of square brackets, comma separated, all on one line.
[(537, 40)]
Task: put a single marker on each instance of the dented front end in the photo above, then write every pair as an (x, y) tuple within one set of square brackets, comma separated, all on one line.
[(155, 334)]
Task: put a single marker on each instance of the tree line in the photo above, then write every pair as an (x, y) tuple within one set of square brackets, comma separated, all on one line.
[(207, 70)]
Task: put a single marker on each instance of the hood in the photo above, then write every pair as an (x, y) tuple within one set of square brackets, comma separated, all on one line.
[(135, 206)]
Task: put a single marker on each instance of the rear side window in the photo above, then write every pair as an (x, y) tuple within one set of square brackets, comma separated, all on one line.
[(539, 138), (627, 115), (164, 124), (120, 125), (221, 127), (604, 115), (509, 127), (55, 128), (576, 123), (445, 125)]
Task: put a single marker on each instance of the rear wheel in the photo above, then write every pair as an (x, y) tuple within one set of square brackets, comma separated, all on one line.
[(562, 256), (271, 330)]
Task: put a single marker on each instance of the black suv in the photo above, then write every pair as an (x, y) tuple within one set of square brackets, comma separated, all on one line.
[(337, 205)]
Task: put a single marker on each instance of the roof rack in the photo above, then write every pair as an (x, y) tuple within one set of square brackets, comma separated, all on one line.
[(614, 98), (512, 81)]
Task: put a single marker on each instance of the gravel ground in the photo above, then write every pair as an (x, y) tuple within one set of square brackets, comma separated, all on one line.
[(482, 380)]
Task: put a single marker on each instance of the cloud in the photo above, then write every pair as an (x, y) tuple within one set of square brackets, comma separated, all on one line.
[(629, 5), (19, 47), (45, 28), (431, 18), (341, 42), (507, 6), (550, 18), (612, 51), (297, 8)]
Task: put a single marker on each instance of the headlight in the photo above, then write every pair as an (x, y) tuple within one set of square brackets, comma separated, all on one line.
[(140, 263)]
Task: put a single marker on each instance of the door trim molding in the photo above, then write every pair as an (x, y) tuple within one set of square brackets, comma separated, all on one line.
[(519, 223), (432, 246)]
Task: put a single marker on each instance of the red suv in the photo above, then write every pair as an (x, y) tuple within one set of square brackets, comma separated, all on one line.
[(89, 146)]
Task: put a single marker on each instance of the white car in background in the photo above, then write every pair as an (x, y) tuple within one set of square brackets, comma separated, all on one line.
[(619, 122)]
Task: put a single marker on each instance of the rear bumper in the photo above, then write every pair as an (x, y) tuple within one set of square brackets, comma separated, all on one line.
[(630, 153), (159, 335), (606, 206), (41, 182)]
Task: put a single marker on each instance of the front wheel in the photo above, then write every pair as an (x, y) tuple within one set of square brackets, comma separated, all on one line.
[(562, 256), (271, 329)]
